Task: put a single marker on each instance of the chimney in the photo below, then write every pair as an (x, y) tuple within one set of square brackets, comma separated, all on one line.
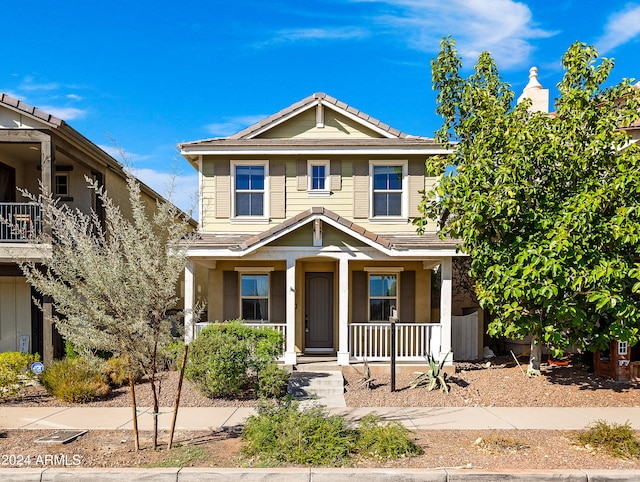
[(534, 91)]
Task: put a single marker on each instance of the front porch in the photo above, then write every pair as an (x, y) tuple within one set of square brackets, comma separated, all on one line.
[(371, 342)]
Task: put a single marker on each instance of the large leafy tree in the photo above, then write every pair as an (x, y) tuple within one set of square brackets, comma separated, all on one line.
[(546, 205)]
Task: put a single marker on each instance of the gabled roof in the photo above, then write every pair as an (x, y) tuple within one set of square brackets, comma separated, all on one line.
[(253, 134), (18, 105), (310, 102), (244, 243)]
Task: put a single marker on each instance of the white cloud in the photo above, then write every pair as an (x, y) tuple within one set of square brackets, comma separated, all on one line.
[(231, 125), (620, 28), (180, 189), (64, 113), (74, 97), (338, 33), (503, 27)]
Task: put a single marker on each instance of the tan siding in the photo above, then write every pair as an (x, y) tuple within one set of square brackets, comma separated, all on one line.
[(223, 189), (416, 184), (304, 126), (360, 190), (208, 195), (277, 188)]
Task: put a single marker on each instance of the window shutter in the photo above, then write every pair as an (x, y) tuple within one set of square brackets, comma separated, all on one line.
[(302, 175), (407, 312), (416, 184), (335, 171), (221, 171), (278, 297), (359, 297), (360, 190), (277, 188), (230, 299)]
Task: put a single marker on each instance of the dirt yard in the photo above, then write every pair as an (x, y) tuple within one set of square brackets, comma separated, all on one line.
[(500, 383)]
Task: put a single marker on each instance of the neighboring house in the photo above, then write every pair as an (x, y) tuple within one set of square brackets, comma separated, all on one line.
[(36, 147), (305, 226)]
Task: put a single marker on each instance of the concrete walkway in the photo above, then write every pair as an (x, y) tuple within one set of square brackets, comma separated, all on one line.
[(426, 418)]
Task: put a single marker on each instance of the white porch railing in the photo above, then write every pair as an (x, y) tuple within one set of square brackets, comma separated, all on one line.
[(414, 341), (280, 327)]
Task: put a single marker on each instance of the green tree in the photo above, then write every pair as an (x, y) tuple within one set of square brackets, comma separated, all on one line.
[(546, 206), (114, 283)]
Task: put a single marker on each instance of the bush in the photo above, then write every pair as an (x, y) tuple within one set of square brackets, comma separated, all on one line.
[(14, 371), (76, 380), (272, 381), (172, 354), (229, 358), (117, 372), (280, 434), (384, 440), (616, 440)]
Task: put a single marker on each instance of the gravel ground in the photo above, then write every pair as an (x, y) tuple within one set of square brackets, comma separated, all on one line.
[(474, 384)]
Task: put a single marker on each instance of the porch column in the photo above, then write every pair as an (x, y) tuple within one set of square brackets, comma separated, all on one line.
[(290, 357), (47, 166), (343, 312), (189, 285), (445, 310)]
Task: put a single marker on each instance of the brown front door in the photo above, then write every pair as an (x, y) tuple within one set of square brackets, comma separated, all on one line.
[(318, 311), (7, 183)]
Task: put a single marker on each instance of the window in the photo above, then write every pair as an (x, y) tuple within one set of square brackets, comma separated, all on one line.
[(249, 189), (254, 297), (387, 190), (383, 294), (318, 177), (62, 184)]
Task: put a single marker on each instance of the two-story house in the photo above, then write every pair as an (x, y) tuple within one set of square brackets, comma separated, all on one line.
[(36, 147), (306, 226)]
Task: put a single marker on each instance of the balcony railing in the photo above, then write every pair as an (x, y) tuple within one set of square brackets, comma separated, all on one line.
[(414, 341), (19, 222)]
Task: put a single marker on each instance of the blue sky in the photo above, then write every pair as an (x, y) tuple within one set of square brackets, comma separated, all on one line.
[(148, 74)]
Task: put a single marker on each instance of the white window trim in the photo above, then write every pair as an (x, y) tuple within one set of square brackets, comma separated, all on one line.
[(266, 191), (403, 218), (256, 271), (382, 272), (326, 192)]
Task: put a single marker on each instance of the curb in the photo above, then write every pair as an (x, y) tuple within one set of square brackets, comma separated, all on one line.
[(311, 475)]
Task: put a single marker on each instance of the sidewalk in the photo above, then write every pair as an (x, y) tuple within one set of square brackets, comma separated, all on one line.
[(426, 418)]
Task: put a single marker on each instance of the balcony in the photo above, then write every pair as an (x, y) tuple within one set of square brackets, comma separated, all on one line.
[(20, 222)]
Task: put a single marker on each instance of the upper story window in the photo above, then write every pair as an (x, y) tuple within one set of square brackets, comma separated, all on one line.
[(250, 189), (62, 184), (254, 297), (318, 178), (383, 295), (388, 189)]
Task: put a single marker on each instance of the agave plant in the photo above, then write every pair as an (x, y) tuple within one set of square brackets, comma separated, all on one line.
[(433, 377)]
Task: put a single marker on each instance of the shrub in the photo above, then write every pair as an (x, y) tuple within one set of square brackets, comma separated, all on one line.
[(228, 358), (172, 354), (384, 440), (272, 381), (280, 434), (117, 372), (14, 371), (434, 376), (76, 380), (616, 440)]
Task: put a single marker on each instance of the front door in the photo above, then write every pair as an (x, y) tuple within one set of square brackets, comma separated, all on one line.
[(318, 312)]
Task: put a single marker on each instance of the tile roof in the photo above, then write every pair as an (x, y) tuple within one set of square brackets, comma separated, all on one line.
[(248, 133), (29, 109), (396, 242)]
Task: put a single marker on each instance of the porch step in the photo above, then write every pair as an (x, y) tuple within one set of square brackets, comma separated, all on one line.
[(324, 388)]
